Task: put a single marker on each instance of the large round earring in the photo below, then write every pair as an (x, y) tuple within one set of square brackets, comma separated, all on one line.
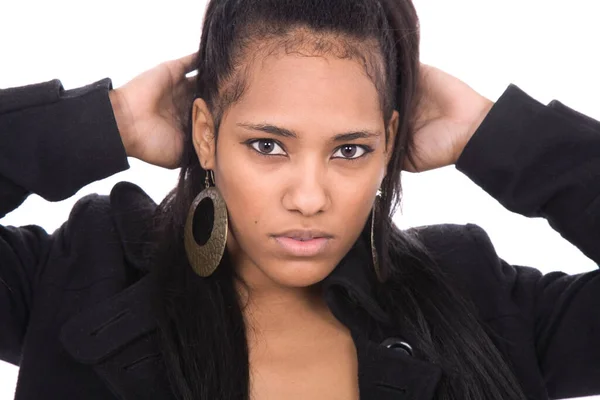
[(373, 247), (206, 244)]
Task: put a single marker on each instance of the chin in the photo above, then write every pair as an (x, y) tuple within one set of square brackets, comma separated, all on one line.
[(299, 273)]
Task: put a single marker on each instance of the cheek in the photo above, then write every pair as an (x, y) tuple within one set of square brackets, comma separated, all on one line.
[(246, 195), (353, 213), (356, 190), (243, 198), (354, 201)]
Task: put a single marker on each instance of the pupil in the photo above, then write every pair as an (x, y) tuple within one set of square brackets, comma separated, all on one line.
[(349, 151), (266, 147)]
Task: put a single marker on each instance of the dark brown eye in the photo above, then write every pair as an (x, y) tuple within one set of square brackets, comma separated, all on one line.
[(266, 147), (350, 151)]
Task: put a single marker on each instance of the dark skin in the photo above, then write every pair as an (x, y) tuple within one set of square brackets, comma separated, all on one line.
[(297, 348), (306, 181)]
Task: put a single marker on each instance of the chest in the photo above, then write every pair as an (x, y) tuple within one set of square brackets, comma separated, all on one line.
[(305, 371)]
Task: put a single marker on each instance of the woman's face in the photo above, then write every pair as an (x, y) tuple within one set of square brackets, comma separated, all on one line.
[(304, 149)]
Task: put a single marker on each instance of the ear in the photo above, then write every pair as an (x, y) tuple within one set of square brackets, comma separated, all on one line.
[(203, 134), (392, 130)]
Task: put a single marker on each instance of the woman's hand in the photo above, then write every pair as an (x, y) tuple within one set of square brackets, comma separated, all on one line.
[(447, 116), (148, 110)]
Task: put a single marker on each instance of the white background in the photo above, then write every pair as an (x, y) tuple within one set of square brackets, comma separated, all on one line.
[(547, 47)]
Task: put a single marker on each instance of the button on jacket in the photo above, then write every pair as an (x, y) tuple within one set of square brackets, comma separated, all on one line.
[(74, 308)]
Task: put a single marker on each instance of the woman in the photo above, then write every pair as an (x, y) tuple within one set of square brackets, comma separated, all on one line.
[(272, 270)]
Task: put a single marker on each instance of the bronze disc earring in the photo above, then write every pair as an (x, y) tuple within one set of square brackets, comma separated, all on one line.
[(205, 243), (373, 247)]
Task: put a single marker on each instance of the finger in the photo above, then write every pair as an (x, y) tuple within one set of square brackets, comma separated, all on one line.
[(190, 86), (188, 63), (180, 67), (408, 165), (185, 88)]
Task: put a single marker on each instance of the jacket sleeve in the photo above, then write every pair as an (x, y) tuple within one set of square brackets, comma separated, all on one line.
[(53, 142), (544, 161)]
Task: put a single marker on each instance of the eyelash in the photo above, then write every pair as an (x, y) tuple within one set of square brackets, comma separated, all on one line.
[(365, 148)]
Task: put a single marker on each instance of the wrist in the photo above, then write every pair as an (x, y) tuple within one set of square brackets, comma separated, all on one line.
[(124, 121), (484, 109)]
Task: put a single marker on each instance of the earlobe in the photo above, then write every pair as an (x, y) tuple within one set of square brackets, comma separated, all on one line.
[(203, 135)]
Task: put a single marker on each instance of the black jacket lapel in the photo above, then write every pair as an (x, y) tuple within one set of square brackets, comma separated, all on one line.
[(384, 372), (118, 338)]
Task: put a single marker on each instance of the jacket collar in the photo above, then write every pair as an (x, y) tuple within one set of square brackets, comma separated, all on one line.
[(118, 335)]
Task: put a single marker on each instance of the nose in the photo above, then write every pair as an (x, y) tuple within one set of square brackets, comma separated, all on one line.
[(307, 191)]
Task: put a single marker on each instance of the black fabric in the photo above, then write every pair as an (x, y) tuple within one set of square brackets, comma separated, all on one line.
[(74, 306)]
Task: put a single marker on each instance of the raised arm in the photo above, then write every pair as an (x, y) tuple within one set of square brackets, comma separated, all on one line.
[(55, 141), (52, 143), (540, 161), (543, 161)]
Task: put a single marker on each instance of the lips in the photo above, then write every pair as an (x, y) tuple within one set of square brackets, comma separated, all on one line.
[(303, 248), (304, 234)]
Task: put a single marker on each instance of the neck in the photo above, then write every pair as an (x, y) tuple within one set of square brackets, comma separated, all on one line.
[(271, 308), (268, 306)]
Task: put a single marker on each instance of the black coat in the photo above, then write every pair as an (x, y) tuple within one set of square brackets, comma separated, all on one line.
[(74, 309)]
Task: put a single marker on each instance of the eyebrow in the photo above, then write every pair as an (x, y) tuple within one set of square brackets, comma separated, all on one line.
[(288, 133)]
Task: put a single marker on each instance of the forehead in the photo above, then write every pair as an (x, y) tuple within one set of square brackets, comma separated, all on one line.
[(304, 86)]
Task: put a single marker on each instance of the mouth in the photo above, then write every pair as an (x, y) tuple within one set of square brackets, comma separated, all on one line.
[(303, 247)]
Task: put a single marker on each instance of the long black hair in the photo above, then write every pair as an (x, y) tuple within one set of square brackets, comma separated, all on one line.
[(201, 324)]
